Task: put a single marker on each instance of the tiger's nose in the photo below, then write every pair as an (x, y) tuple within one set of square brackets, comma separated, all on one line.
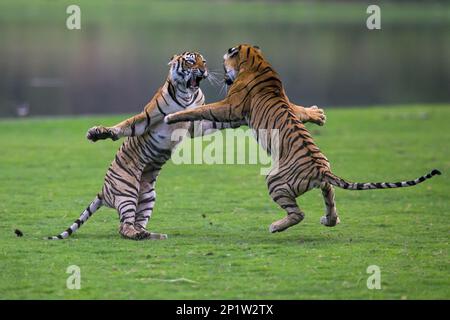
[(200, 72)]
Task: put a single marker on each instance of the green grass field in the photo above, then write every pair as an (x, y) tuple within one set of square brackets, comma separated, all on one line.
[(49, 173)]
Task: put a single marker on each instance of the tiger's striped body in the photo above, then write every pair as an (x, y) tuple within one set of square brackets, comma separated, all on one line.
[(129, 185), (256, 94)]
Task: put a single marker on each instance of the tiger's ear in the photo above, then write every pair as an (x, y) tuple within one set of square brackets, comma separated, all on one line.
[(232, 52), (257, 48), (173, 59)]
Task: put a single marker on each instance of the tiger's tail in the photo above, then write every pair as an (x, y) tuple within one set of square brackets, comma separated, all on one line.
[(341, 183), (87, 213)]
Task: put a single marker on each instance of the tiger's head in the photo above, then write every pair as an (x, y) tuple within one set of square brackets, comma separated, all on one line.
[(243, 55), (187, 70)]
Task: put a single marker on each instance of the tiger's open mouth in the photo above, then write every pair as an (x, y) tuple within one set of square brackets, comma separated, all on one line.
[(194, 82)]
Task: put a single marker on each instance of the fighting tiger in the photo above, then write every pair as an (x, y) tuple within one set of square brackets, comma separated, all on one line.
[(256, 95), (129, 184)]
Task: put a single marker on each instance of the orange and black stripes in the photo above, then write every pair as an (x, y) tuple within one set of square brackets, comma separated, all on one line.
[(341, 183), (129, 184), (256, 94)]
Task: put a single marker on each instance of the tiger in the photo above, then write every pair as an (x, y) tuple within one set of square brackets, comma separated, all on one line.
[(256, 95), (129, 185)]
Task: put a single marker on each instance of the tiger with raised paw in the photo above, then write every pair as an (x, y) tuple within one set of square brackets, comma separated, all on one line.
[(256, 96), (129, 184)]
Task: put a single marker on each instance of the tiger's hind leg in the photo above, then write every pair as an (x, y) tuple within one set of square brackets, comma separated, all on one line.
[(286, 201), (127, 211), (125, 205), (128, 231), (147, 199), (331, 218)]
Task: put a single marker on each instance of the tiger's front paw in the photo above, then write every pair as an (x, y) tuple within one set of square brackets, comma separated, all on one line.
[(316, 115), (101, 133)]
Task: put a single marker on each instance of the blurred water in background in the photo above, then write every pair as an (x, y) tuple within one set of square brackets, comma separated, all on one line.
[(116, 62)]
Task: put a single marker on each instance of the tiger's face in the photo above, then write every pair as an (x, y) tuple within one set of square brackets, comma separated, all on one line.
[(235, 58), (188, 69)]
